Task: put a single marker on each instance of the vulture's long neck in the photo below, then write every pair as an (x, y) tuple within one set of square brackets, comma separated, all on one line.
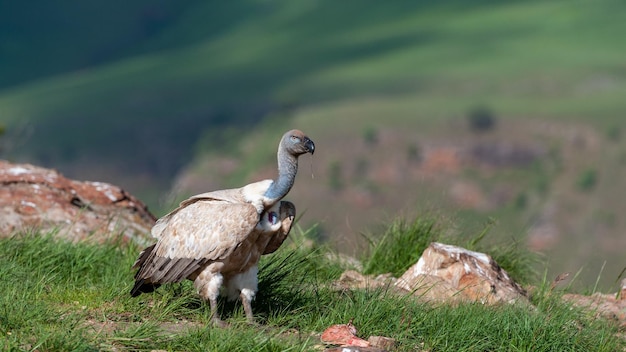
[(287, 170)]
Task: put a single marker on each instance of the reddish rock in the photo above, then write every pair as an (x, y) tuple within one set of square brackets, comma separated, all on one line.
[(354, 349), (343, 335), (35, 197), (609, 306), (447, 273)]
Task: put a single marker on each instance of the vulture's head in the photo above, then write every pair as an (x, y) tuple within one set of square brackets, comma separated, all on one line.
[(269, 222), (288, 216), (287, 210), (297, 143), (280, 215)]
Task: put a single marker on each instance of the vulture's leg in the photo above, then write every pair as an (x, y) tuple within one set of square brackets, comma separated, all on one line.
[(249, 286), (208, 285), (247, 296), (215, 319), (245, 284)]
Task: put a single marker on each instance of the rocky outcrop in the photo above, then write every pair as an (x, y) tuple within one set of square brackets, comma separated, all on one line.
[(33, 197), (609, 306), (446, 273), (352, 279)]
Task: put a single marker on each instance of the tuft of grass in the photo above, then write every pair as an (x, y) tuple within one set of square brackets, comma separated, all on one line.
[(400, 246), (587, 180), (512, 256)]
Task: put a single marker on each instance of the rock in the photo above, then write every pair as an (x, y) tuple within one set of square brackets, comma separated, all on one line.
[(386, 343), (35, 197), (343, 335), (604, 305), (351, 279), (354, 349), (447, 273)]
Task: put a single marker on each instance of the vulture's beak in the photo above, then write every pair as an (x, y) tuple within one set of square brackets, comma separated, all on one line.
[(309, 145), (287, 210)]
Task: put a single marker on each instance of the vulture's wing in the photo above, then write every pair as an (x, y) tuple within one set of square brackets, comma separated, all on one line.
[(206, 229), (252, 194), (197, 232), (286, 216), (232, 196)]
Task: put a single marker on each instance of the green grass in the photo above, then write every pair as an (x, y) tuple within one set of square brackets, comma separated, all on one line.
[(400, 246), (58, 296)]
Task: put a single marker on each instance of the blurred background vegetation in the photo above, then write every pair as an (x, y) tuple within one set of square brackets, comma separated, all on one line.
[(512, 110)]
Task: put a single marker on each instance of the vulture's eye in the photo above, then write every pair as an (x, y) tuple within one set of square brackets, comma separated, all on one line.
[(295, 139), (272, 217)]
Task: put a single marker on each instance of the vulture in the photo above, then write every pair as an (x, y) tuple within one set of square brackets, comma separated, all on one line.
[(216, 238)]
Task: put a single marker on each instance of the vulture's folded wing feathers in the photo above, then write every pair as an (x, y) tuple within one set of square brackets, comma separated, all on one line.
[(185, 245), (245, 196), (223, 227)]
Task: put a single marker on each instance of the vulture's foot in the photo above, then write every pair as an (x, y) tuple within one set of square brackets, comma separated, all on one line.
[(215, 317), (250, 319), (253, 323), (219, 323)]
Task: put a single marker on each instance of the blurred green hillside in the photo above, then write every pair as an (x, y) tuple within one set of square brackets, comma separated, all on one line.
[(162, 95)]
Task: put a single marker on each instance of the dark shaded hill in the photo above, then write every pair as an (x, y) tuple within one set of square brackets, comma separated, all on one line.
[(42, 39)]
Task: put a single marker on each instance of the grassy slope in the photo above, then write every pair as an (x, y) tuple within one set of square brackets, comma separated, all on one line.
[(60, 296)]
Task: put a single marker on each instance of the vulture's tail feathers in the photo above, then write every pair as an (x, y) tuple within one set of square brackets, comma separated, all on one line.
[(141, 286), (143, 256)]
